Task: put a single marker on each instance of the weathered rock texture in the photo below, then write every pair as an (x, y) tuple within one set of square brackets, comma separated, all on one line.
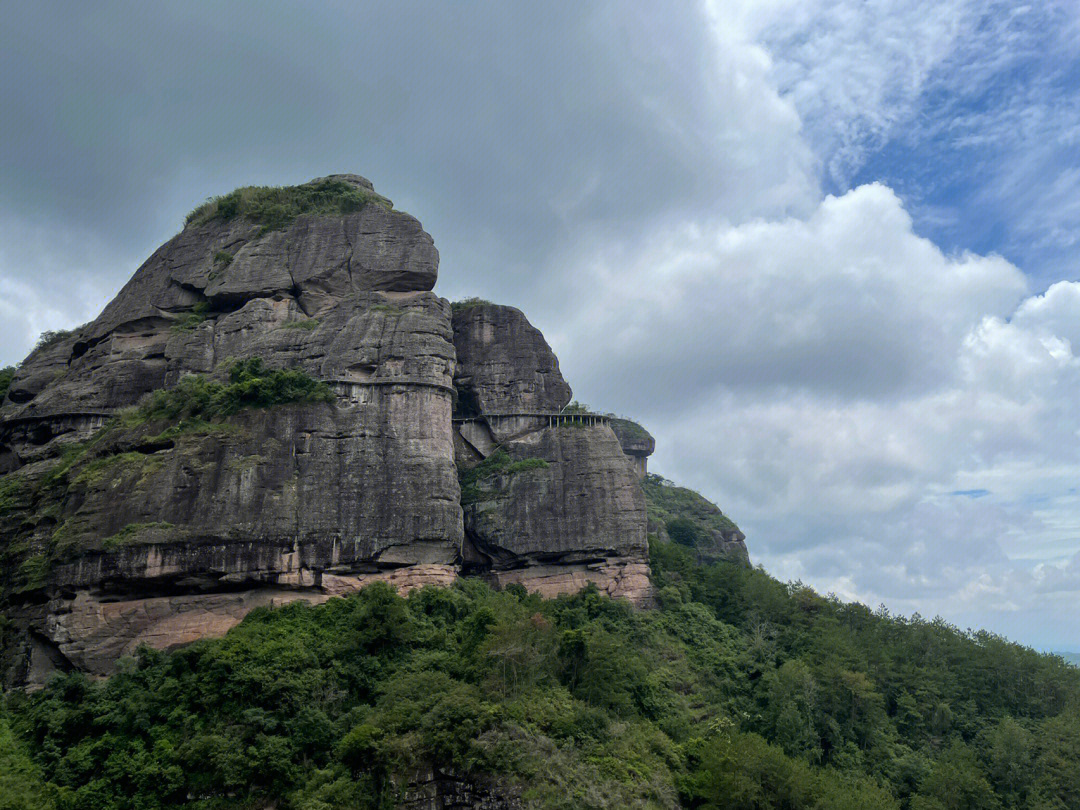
[(576, 514), (165, 540), (116, 531), (636, 442)]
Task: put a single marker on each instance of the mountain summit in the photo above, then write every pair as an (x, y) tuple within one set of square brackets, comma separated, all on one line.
[(276, 407)]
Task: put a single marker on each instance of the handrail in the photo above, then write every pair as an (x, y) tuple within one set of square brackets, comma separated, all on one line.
[(551, 416)]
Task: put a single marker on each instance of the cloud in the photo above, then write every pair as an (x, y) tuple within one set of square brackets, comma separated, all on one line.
[(834, 382), (856, 71), (512, 131), (647, 185), (846, 302), (51, 279)]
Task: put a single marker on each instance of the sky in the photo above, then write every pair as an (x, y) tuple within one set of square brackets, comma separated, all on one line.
[(826, 252)]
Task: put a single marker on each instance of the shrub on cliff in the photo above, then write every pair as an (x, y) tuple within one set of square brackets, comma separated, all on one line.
[(7, 374), (251, 385), (276, 207)]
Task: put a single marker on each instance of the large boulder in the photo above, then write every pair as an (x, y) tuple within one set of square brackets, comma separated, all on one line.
[(504, 363), (121, 530)]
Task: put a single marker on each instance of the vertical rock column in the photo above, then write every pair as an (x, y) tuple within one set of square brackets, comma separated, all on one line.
[(550, 504)]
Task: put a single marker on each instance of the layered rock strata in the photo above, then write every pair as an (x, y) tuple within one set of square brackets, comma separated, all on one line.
[(165, 540), (118, 531), (536, 520)]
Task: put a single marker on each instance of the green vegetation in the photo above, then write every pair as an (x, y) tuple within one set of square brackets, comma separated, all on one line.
[(276, 207), (469, 303), (7, 374), (108, 466), (1071, 658), (21, 786), (131, 532), (498, 463), (53, 336), (32, 572), (196, 315), (196, 406), (687, 516), (736, 692), (630, 427), (251, 385), (307, 324), (12, 493), (222, 260)]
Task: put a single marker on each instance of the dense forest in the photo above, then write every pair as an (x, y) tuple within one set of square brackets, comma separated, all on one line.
[(737, 691)]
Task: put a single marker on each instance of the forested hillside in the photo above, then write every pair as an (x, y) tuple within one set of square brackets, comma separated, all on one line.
[(736, 692)]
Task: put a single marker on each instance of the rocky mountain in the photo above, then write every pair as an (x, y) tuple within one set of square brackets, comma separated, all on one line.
[(277, 407)]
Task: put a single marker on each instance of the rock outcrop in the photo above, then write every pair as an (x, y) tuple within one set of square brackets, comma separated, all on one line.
[(121, 526), (533, 519), (680, 515), (636, 442)]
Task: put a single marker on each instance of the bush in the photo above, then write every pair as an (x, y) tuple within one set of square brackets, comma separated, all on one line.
[(277, 207), (196, 315), (52, 337), (469, 303), (251, 385), (307, 324), (7, 374)]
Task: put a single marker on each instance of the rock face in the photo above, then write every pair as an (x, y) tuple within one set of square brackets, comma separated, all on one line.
[(536, 520), (504, 364), (118, 531), (636, 442)]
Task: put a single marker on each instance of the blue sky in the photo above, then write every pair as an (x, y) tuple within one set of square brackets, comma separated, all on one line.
[(986, 151), (824, 251)]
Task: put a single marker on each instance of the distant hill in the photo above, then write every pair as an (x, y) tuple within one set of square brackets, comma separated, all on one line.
[(1071, 657)]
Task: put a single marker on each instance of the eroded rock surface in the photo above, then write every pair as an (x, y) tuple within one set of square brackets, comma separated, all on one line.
[(504, 364), (161, 540), (119, 528), (567, 508)]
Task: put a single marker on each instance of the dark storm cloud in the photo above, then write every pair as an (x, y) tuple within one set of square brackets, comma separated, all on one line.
[(488, 120)]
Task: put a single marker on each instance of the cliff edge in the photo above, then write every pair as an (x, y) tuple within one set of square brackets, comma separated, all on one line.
[(277, 407)]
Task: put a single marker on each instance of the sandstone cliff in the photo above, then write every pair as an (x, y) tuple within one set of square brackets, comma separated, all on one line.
[(126, 523)]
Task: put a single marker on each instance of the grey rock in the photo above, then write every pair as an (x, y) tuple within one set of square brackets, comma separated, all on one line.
[(504, 364), (584, 505), (118, 532), (636, 442), (298, 500)]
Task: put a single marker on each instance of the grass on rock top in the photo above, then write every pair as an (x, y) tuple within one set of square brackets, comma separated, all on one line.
[(469, 303), (276, 207), (687, 515)]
